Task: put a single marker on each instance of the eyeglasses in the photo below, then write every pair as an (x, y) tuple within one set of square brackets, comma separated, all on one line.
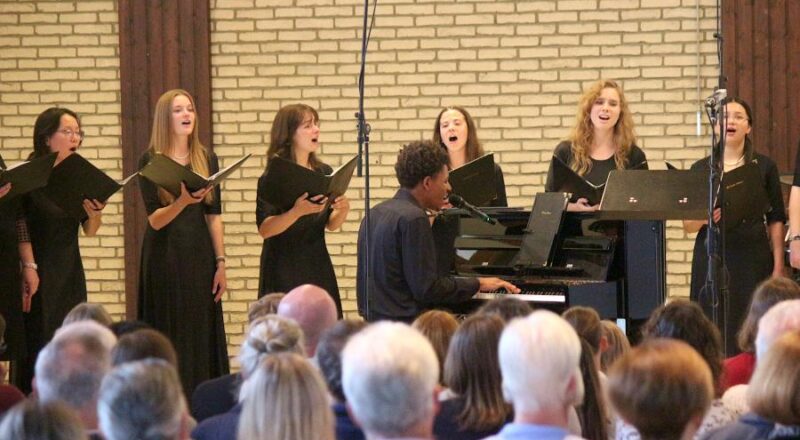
[(69, 133), (737, 118)]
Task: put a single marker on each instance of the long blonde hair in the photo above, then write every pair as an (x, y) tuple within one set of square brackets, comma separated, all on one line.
[(285, 399), (161, 140), (582, 134)]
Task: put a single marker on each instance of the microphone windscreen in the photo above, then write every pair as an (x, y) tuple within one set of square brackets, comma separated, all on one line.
[(456, 200)]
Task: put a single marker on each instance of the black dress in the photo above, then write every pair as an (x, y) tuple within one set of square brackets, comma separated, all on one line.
[(297, 255), (10, 287), (598, 173), (62, 283), (747, 252), (177, 274)]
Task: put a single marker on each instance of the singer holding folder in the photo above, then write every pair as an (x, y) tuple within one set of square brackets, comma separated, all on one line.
[(753, 249), (49, 248), (294, 250), (602, 140), (182, 275)]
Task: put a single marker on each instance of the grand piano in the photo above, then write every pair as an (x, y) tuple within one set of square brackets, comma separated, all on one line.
[(615, 267)]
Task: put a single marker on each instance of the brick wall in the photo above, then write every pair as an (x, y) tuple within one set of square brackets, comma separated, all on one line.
[(66, 54), (519, 68)]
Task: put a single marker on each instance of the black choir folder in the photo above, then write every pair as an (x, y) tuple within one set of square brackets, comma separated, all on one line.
[(745, 199), (286, 181), (76, 179), (474, 181), (169, 174), (27, 176), (539, 241), (565, 179)]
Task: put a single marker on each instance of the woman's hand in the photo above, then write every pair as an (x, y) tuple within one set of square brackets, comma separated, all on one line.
[(582, 205), (5, 189), (305, 205), (190, 198), (30, 285), (93, 208), (341, 203), (220, 282)]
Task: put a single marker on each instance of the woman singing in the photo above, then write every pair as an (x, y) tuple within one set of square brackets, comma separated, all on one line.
[(753, 250), (602, 140), (49, 248), (294, 250), (182, 275)]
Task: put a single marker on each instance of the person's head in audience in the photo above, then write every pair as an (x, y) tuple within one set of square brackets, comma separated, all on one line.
[(32, 420), (781, 318), (266, 305), (663, 387), (389, 375), (127, 326), (618, 345), (88, 311), (269, 335), (540, 363), (438, 326), (684, 320), (285, 399), (592, 412), (313, 310), (774, 390), (472, 371), (71, 366), (143, 400), (587, 325), (421, 168), (767, 294), (329, 354), (143, 344), (506, 308)]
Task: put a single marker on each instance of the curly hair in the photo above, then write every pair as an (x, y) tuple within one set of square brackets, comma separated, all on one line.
[(418, 160), (582, 134)]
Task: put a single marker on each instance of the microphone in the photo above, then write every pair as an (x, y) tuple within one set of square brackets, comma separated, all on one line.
[(459, 202), (717, 98)]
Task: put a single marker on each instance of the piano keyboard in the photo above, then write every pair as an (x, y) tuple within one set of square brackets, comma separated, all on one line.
[(539, 296)]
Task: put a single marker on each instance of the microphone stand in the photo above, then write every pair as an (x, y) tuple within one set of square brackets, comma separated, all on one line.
[(363, 154)]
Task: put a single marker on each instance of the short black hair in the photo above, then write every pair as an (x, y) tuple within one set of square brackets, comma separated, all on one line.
[(418, 160), (46, 125), (329, 354)]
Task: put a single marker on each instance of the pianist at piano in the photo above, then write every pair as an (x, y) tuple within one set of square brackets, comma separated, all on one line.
[(400, 278)]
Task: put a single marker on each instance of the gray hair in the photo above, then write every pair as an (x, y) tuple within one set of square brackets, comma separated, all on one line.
[(32, 420), (389, 372), (266, 335), (141, 400), (88, 311), (781, 318), (539, 358), (71, 366)]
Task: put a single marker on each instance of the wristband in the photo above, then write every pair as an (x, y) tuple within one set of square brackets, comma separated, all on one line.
[(30, 265)]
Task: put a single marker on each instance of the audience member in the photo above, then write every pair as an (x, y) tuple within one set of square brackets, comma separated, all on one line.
[(329, 361), (472, 373), (773, 396), (127, 326), (69, 369), (9, 394), (389, 375), (266, 305), (618, 345), (685, 321), (782, 318), (88, 311), (506, 307), (285, 399), (663, 387), (143, 400), (31, 420), (539, 360), (266, 336), (143, 344), (592, 412), (739, 368), (438, 326), (588, 326), (313, 310)]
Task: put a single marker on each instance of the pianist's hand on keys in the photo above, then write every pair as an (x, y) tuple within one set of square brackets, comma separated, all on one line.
[(494, 284)]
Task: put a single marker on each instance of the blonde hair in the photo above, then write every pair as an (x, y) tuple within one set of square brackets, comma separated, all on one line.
[(161, 139), (773, 390), (660, 387), (582, 134), (285, 399)]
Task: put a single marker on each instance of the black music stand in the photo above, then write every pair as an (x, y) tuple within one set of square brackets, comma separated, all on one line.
[(655, 195)]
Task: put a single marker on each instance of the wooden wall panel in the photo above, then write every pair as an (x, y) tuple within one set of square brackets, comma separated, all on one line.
[(761, 63), (164, 44)]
